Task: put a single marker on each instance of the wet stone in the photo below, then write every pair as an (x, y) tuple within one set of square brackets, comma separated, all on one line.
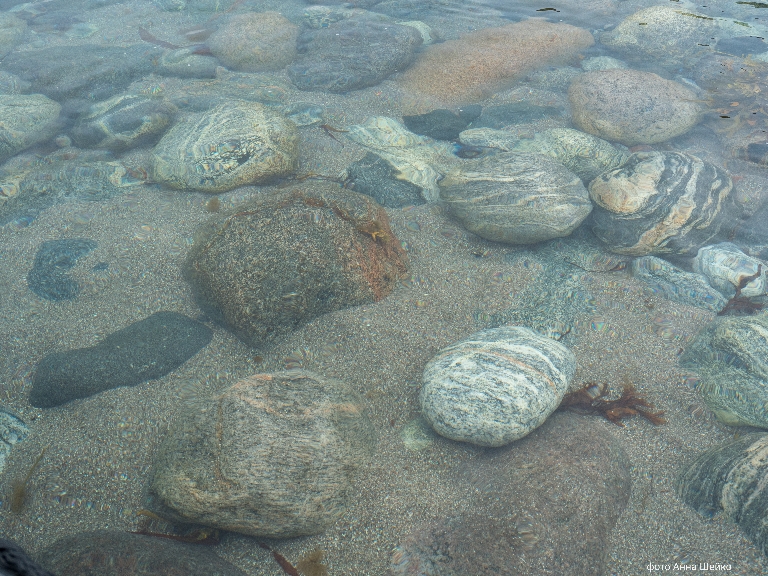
[(122, 122), (187, 63), (512, 526), (375, 177), (496, 385), (107, 553), (442, 124), (726, 267), (49, 278), (503, 115), (732, 478), (25, 120), (730, 356), (352, 54), (274, 455), (15, 562), (146, 350), (676, 284), (12, 431), (269, 266)]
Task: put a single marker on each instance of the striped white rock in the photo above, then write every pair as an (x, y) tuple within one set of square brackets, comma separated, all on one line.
[(725, 266), (495, 386)]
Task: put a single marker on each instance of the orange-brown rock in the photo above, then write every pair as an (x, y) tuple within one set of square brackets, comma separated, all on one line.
[(486, 61)]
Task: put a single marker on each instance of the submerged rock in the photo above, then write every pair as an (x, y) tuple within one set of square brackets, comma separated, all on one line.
[(730, 355), (496, 385), (275, 455), (25, 120), (145, 350), (516, 198), (112, 553), (545, 505), (270, 266), (726, 267), (12, 431), (49, 278), (661, 202), (15, 562), (351, 54), (732, 478), (632, 107), (232, 145)]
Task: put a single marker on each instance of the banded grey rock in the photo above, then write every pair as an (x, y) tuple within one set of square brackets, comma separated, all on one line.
[(730, 355), (124, 121), (732, 478), (495, 386), (725, 266), (585, 155), (274, 455), (516, 198), (661, 202), (232, 145), (676, 284)]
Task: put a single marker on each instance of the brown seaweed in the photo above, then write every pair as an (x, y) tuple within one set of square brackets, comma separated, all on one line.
[(19, 488), (591, 399), (741, 304), (287, 567), (312, 564)]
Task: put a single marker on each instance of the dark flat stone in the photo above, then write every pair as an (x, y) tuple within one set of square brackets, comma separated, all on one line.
[(375, 177), (48, 277), (15, 562), (145, 350), (442, 124)]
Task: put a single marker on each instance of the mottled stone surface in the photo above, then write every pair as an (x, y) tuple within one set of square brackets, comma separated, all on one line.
[(12, 30), (112, 553), (232, 145), (12, 431), (271, 265), (255, 42), (124, 121), (545, 505), (352, 54), (145, 350), (632, 107), (730, 355), (676, 284), (488, 60), (25, 120), (661, 202), (374, 176), (726, 267), (495, 386), (15, 562), (49, 276), (274, 455), (583, 154), (516, 198), (732, 478)]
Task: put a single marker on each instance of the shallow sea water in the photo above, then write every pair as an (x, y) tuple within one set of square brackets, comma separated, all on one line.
[(99, 451)]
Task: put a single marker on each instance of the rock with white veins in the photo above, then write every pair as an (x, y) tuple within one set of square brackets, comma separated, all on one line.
[(495, 386)]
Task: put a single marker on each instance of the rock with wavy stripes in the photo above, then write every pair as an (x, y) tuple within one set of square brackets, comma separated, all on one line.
[(495, 386), (662, 202)]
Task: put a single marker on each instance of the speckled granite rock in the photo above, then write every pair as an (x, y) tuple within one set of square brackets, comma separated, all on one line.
[(516, 198), (495, 386), (676, 284), (145, 350), (661, 202), (255, 42), (124, 121), (545, 505), (269, 266), (632, 107), (25, 120), (352, 54), (730, 355), (585, 155), (725, 266), (112, 553), (732, 478), (15, 562), (274, 455), (232, 145)]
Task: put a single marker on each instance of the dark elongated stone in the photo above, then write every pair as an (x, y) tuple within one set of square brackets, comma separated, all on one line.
[(145, 350)]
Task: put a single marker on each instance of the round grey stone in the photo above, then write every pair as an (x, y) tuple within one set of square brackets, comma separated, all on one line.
[(495, 386)]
